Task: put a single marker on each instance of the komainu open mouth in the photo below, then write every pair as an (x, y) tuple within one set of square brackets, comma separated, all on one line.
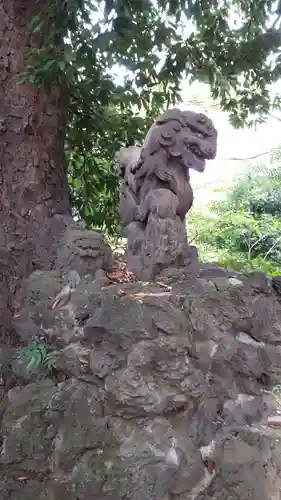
[(197, 151)]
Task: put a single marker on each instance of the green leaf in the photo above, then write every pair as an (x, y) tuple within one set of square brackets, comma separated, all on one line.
[(35, 24), (21, 79), (46, 65), (62, 65), (69, 55), (146, 45)]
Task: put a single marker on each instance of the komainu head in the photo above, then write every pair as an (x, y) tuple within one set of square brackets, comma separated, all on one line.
[(185, 136)]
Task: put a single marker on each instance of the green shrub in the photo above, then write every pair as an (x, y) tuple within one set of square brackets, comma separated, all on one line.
[(37, 359), (238, 240), (243, 232)]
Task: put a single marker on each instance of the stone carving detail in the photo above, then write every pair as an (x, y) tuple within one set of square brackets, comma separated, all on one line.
[(155, 192)]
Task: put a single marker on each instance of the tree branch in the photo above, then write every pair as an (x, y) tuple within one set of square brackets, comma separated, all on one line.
[(274, 116), (254, 157)]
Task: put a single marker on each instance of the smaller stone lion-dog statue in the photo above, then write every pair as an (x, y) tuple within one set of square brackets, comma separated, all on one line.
[(155, 191)]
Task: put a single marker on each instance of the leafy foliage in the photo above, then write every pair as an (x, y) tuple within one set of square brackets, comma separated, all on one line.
[(153, 45), (259, 191), (37, 359), (243, 232), (93, 183)]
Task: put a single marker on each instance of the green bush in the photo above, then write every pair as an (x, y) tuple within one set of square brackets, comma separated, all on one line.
[(37, 359), (257, 192), (243, 232)]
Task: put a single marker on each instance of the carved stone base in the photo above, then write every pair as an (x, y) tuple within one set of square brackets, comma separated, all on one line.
[(159, 244)]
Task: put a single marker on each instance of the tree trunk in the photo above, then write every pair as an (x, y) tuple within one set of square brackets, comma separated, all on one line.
[(34, 196)]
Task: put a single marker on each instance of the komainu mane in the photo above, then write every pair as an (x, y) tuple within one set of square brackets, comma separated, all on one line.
[(156, 194)]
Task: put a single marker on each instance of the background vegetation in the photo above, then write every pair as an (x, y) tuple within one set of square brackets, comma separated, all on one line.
[(124, 61), (243, 230)]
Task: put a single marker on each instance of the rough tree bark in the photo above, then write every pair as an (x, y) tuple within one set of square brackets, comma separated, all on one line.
[(34, 196)]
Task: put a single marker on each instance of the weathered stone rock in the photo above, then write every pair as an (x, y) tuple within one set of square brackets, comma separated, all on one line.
[(84, 251), (260, 282), (249, 467), (157, 394)]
